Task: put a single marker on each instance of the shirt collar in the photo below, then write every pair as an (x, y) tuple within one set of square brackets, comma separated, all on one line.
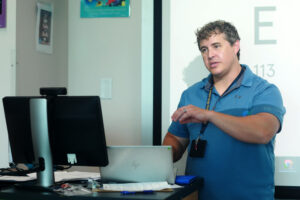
[(245, 79)]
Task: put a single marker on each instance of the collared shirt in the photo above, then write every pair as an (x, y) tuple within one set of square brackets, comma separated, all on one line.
[(233, 169)]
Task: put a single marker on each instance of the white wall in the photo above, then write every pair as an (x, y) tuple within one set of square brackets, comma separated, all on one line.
[(36, 69), (147, 72), (109, 48), (7, 68), (24, 70), (117, 48)]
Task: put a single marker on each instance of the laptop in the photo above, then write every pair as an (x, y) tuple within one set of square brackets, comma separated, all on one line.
[(139, 164), (287, 171)]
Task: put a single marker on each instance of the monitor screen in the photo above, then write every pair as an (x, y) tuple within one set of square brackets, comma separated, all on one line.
[(76, 130), (17, 117)]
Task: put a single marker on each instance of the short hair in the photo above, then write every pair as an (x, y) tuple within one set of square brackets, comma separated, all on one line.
[(217, 27)]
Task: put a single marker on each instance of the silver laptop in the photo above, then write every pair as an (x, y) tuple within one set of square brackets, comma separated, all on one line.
[(287, 171), (139, 164)]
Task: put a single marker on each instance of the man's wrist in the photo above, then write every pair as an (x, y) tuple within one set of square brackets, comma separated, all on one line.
[(209, 115)]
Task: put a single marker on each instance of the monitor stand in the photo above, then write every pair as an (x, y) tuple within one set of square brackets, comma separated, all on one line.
[(40, 140)]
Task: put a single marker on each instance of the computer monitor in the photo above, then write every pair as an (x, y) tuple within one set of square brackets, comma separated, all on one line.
[(17, 117), (75, 130)]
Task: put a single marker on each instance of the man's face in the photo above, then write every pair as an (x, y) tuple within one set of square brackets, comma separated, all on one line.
[(218, 55)]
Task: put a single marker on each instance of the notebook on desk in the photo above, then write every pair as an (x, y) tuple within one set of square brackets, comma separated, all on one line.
[(139, 164)]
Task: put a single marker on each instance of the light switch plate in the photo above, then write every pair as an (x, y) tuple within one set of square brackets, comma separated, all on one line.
[(106, 88)]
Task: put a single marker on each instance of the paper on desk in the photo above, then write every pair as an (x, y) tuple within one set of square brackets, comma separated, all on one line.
[(64, 175), (58, 176), (156, 186), (16, 178)]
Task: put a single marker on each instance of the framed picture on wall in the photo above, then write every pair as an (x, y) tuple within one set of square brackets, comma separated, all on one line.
[(44, 27), (2, 13)]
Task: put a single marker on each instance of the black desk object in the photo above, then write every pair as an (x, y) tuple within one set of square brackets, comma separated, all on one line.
[(188, 192), (287, 192)]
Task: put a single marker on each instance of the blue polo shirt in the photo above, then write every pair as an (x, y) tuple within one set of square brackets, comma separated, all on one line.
[(233, 169)]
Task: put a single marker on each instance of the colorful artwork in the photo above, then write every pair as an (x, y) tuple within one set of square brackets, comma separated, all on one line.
[(104, 8), (2, 13)]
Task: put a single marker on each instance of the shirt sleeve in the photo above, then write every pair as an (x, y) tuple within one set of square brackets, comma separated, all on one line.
[(176, 128), (268, 99)]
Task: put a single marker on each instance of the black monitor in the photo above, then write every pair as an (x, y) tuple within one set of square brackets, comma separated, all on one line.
[(17, 117), (75, 130)]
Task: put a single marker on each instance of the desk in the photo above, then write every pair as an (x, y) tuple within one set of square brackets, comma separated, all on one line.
[(189, 192)]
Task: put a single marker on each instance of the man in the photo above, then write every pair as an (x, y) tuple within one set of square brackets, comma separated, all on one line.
[(228, 122)]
